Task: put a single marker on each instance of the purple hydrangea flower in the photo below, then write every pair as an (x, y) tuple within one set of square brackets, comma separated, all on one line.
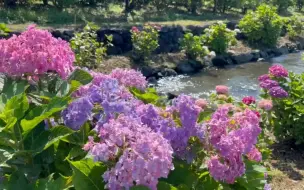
[(263, 77), (278, 92), (130, 78), (77, 113), (268, 84), (146, 155)]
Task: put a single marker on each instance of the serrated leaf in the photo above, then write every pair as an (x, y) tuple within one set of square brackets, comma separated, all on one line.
[(50, 184), (87, 174), (81, 76), (40, 113), (49, 137)]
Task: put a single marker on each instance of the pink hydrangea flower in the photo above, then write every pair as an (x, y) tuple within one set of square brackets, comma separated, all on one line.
[(201, 103), (35, 52), (278, 71), (134, 29), (265, 104), (130, 78), (248, 100), (221, 89), (255, 155)]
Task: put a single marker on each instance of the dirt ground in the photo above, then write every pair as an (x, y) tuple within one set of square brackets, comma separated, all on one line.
[(287, 167)]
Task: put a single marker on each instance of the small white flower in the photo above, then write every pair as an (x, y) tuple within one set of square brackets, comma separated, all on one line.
[(237, 30)]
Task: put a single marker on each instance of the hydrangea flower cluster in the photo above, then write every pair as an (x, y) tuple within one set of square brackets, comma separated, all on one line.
[(269, 82), (146, 155), (265, 104), (232, 138), (161, 121), (35, 52), (278, 71), (248, 100), (221, 89), (130, 78)]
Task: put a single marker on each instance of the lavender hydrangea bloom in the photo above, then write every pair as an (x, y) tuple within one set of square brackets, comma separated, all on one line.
[(278, 92), (232, 138), (267, 187), (130, 78), (228, 170), (146, 155), (77, 113), (268, 84)]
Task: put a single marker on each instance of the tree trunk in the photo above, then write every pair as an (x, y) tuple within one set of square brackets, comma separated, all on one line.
[(215, 6), (127, 3), (45, 2)]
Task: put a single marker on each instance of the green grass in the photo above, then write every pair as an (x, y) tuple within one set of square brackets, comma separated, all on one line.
[(113, 16), (17, 19)]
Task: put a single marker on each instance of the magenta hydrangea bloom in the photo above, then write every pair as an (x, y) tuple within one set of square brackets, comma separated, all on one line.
[(278, 71), (221, 89), (255, 155), (35, 52), (265, 104), (130, 78), (146, 155), (264, 77), (268, 84), (248, 100), (278, 92)]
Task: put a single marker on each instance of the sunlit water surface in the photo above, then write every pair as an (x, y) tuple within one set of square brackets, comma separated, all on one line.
[(241, 79)]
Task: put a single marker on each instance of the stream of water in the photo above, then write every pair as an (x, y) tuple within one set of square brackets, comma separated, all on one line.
[(241, 79)]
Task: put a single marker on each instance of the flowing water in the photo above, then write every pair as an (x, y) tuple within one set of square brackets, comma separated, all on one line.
[(241, 79)]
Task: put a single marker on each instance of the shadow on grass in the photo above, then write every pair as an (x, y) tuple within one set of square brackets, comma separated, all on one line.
[(111, 17), (288, 158)]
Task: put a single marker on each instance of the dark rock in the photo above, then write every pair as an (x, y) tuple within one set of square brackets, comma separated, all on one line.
[(147, 71), (264, 55), (256, 55), (171, 96), (232, 24), (280, 51), (168, 72), (114, 50), (185, 68), (242, 58), (221, 61), (240, 36), (56, 34), (69, 33), (197, 65), (152, 80), (117, 39)]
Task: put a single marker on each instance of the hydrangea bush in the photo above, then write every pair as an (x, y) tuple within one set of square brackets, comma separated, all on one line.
[(284, 91), (109, 131), (145, 40)]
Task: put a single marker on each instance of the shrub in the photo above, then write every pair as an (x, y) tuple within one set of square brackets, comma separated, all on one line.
[(262, 26), (97, 130), (286, 92), (35, 52), (145, 41), (89, 52), (295, 27), (193, 46), (218, 37)]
